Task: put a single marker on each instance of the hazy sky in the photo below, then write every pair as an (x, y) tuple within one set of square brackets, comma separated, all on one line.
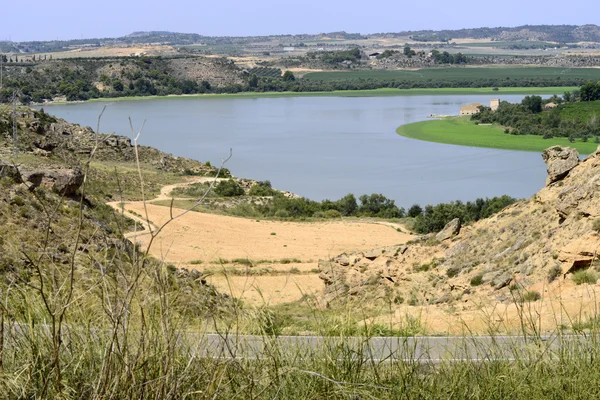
[(74, 19)]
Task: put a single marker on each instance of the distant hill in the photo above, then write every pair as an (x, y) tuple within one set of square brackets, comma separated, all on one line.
[(549, 33), (552, 33)]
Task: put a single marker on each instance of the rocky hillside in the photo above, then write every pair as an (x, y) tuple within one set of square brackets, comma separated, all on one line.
[(82, 79), (52, 205), (526, 250)]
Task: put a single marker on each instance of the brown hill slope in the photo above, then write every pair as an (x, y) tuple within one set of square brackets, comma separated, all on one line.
[(483, 277)]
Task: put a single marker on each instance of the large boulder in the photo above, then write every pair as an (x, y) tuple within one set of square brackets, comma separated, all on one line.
[(64, 181), (560, 161), (451, 229)]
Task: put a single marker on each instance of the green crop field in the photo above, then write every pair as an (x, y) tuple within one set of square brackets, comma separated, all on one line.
[(461, 73), (461, 131), (508, 44)]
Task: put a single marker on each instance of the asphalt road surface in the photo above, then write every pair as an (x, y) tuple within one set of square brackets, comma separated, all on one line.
[(421, 349)]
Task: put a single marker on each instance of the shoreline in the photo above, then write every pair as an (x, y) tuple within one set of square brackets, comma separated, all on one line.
[(385, 92), (459, 131)]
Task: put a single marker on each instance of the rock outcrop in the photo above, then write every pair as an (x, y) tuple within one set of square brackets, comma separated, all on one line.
[(64, 181), (560, 161), (520, 247), (451, 229)]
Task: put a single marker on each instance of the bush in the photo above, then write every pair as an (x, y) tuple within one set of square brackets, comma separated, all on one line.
[(262, 189), (229, 188), (282, 214), (554, 273), (452, 272), (584, 276), (531, 295), (332, 214), (596, 225), (477, 280)]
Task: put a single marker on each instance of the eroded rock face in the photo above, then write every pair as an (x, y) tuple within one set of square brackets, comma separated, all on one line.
[(521, 244), (560, 161), (64, 181), (451, 229)]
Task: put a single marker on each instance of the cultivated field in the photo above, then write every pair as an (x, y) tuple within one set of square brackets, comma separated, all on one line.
[(462, 73), (265, 261)]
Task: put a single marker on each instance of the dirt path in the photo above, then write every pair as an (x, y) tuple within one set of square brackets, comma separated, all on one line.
[(164, 194)]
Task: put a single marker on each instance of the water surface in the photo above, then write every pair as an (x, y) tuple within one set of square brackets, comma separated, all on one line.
[(325, 147)]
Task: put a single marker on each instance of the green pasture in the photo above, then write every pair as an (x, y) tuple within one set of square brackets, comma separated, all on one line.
[(461, 73), (461, 131)]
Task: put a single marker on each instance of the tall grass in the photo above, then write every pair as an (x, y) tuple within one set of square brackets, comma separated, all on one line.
[(114, 323)]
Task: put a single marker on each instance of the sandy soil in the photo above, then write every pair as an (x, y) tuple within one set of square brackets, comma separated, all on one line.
[(261, 290), (208, 238), (562, 304)]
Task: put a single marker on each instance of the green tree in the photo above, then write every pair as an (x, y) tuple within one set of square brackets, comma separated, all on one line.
[(533, 104), (590, 91), (347, 205), (229, 188), (253, 81), (288, 76), (415, 210)]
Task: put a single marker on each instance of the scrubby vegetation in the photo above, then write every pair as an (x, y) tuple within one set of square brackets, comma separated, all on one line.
[(584, 277), (433, 218), (574, 115), (83, 79)]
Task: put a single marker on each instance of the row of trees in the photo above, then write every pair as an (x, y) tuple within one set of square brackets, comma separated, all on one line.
[(447, 58), (427, 219), (77, 80), (434, 218), (335, 57)]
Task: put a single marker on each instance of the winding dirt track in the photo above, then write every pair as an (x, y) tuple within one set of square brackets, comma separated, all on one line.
[(286, 252)]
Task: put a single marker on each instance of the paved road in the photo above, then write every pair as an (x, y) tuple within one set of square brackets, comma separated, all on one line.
[(422, 349)]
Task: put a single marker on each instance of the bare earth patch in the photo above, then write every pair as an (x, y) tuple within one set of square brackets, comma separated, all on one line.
[(205, 239)]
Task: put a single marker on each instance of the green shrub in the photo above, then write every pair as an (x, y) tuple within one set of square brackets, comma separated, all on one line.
[(584, 276), (554, 273), (281, 214), (243, 261), (290, 261), (452, 272), (477, 280), (332, 214), (596, 225), (18, 201), (262, 189), (229, 188), (531, 295)]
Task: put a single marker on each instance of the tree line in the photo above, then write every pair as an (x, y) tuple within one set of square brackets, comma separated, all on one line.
[(559, 116), (147, 76), (430, 218)]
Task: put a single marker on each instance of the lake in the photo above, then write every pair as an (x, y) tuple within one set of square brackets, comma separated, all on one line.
[(325, 147)]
